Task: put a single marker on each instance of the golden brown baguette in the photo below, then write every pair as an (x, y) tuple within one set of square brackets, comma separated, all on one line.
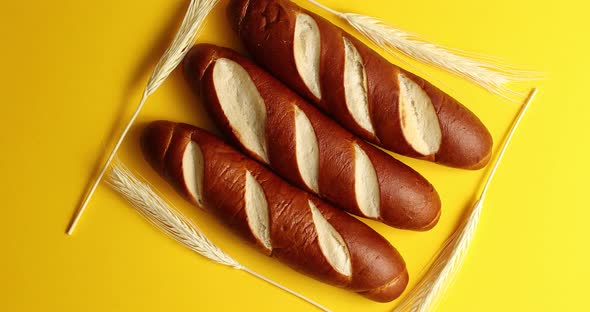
[(366, 94), (274, 125), (283, 221)]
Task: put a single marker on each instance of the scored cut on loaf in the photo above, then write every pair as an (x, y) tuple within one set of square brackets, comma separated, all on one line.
[(307, 148), (356, 86), (285, 222)]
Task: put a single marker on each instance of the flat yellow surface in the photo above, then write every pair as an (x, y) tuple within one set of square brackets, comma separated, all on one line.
[(72, 71)]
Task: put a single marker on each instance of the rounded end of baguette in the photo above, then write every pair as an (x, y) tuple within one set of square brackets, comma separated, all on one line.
[(419, 208), (432, 218), (236, 10), (472, 151), (391, 290), (485, 160), (428, 216), (155, 140), (467, 143), (197, 61)]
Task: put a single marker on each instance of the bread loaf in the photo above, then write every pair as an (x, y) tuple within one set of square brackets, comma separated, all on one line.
[(360, 89), (274, 125), (283, 221)]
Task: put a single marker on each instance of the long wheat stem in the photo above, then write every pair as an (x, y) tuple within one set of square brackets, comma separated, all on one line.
[(188, 31)]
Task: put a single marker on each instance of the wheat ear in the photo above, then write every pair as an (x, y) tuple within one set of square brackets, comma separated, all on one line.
[(488, 72), (427, 293), (159, 213), (197, 11)]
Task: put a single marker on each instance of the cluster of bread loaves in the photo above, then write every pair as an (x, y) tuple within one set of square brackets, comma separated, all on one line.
[(302, 159)]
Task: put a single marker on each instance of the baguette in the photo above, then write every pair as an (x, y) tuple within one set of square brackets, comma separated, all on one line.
[(272, 124), (284, 222), (356, 86)]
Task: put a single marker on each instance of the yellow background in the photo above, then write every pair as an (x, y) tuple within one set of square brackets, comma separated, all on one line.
[(72, 71)]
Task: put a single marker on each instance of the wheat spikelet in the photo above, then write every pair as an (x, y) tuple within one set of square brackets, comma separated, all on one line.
[(159, 213), (197, 11), (488, 72), (163, 216), (441, 273), (196, 14)]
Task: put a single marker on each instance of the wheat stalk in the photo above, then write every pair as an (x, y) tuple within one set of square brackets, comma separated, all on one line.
[(488, 72), (196, 14), (170, 221), (197, 11), (427, 293), (163, 216)]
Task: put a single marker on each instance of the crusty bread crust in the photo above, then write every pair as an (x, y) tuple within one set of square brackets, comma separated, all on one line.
[(374, 262), (266, 28), (407, 200)]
